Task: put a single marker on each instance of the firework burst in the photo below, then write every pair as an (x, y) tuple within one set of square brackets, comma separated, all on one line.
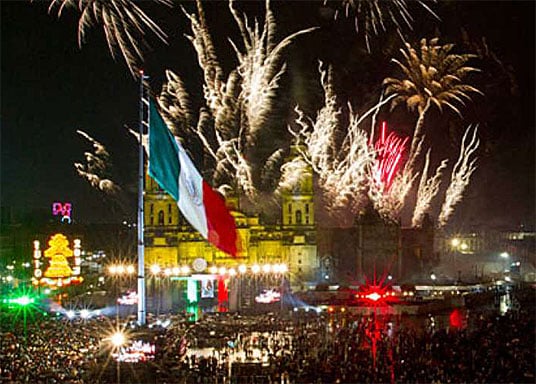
[(388, 188), (374, 16), (124, 23), (433, 76), (237, 105), (259, 66)]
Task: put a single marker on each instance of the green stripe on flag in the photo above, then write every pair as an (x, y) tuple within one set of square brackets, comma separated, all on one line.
[(164, 165)]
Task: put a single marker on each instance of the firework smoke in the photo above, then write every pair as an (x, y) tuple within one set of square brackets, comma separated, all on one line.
[(124, 23), (461, 175), (96, 164)]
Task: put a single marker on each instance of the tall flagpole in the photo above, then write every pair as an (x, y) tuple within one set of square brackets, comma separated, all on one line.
[(141, 247)]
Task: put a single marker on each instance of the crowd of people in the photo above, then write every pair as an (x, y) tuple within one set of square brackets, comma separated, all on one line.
[(341, 347), (47, 350)]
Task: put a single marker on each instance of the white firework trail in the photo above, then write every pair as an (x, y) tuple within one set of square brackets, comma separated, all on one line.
[(96, 164), (214, 83), (237, 106), (175, 106), (218, 127), (292, 172), (349, 181), (100, 150), (428, 189), (373, 16), (269, 172), (389, 202), (124, 23), (461, 174), (319, 135), (259, 66), (344, 170)]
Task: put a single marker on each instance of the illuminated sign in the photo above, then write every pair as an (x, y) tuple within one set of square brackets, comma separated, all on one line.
[(58, 271), (62, 210)]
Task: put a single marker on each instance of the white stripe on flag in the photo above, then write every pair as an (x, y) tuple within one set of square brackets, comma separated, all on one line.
[(191, 193)]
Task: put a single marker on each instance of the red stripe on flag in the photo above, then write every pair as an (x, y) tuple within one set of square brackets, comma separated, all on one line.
[(220, 223)]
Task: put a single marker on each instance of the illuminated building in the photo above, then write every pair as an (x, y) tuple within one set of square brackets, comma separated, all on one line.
[(171, 242)]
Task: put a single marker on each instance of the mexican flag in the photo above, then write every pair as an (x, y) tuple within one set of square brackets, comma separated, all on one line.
[(171, 167)]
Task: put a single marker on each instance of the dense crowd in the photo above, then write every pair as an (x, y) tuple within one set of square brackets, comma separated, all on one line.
[(302, 348), (47, 350)]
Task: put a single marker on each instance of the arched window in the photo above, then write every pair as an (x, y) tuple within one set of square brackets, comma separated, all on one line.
[(298, 217), (160, 217)]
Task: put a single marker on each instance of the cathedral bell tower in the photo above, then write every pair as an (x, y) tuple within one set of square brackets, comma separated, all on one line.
[(161, 223), (298, 225)]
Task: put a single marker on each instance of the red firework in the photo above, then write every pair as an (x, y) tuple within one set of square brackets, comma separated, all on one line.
[(389, 150)]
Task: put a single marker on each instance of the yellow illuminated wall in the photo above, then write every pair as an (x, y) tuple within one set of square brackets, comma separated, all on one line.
[(170, 241)]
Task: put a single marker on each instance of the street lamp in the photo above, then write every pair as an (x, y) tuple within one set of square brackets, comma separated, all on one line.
[(118, 339), (155, 269), (433, 277), (119, 272)]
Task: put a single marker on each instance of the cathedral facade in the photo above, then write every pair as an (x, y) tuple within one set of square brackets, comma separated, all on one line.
[(170, 242)]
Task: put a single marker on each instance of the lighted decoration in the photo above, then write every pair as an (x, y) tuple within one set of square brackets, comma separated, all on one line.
[(456, 319), (58, 271), (192, 291), (138, 351), (199, 264), (62, 210), (268, 296), (223, 294), (131, 298)]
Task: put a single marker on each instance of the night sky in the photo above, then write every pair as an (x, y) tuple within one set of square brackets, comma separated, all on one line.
[(50, 88)]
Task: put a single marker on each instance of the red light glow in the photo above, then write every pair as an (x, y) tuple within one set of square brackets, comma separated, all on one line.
[(456, 319), (374, 296)]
